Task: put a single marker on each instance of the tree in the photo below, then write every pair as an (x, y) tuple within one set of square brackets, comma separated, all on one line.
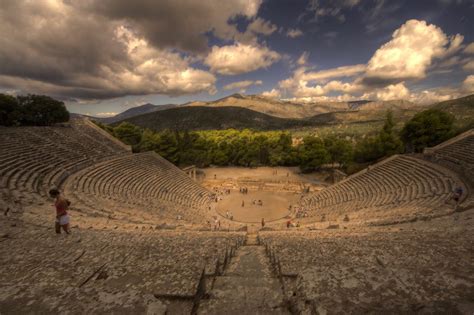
[(426, 129), (10, 111), (385, 143), (42, 110), (389, 141), (340, 150), (128, 133), (312, 154), (167, 146)]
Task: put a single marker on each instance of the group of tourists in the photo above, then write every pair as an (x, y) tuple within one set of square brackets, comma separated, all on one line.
[(229, 215), (244, 190), (62, 205)]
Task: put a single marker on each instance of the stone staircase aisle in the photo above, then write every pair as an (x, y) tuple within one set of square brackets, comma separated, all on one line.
[(247, 286)]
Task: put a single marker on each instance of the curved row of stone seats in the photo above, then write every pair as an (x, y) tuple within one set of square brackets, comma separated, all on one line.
[(33, 159), (456, 154), (103, 271), (142, 181), (459, 150), (401, 186), (376, 270)]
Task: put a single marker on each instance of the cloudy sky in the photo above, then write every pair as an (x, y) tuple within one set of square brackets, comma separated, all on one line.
[(104, 56)]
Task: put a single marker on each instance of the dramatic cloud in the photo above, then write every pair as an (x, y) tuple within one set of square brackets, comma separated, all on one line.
[(178, 24), (293, 33), (103, 49), (242, 85), (410, 52), (407, 56), (240, 58)]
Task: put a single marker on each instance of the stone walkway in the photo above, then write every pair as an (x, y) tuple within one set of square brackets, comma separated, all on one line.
[(247, 285)]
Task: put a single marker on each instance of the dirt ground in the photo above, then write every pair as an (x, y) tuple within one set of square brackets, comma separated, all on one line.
[(276, 187), (274, 205), (261, 173)]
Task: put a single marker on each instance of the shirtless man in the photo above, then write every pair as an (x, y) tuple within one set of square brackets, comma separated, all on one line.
[(62, 217)]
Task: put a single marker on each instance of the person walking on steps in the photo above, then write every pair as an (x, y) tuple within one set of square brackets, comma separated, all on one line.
[(62, 217)]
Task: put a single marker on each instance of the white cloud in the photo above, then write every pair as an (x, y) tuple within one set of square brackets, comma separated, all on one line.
[(240, 58), (273, 93), (294, 32), (241, 84), (469, 49), (469, 66), (468, 84), (410, 52), (303, 59), (158, 71), (339, 72), (260, 26), (391, 92), (300, 84)]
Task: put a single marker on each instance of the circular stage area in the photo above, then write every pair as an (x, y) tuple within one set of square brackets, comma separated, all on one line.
[(274, 205)]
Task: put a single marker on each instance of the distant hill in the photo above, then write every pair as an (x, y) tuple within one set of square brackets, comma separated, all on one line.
[(289, 109), (269, 106), (462, 108), (135, 111), (208, 118)]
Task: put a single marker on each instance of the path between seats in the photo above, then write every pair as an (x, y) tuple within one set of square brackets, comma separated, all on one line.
[(247, 285)]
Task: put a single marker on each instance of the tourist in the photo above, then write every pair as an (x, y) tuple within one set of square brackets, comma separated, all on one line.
[(288, 224), (62, 217), (243, 203), (263, 222), (227, 214), (456, 196)]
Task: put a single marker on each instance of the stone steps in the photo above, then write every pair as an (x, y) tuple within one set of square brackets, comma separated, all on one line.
[(248, 285)]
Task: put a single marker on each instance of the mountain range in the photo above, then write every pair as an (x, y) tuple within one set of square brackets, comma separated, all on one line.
[(258, 112)]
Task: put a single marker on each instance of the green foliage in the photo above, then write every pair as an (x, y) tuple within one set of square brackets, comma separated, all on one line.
[(32, 110), (426, 129), (106, 127), (384, 144), (10, 111), (312, 154), (250, 148), (128, 133), (340, 150)]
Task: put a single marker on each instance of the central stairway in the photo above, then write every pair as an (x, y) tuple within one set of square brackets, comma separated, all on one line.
[(247, 286)]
